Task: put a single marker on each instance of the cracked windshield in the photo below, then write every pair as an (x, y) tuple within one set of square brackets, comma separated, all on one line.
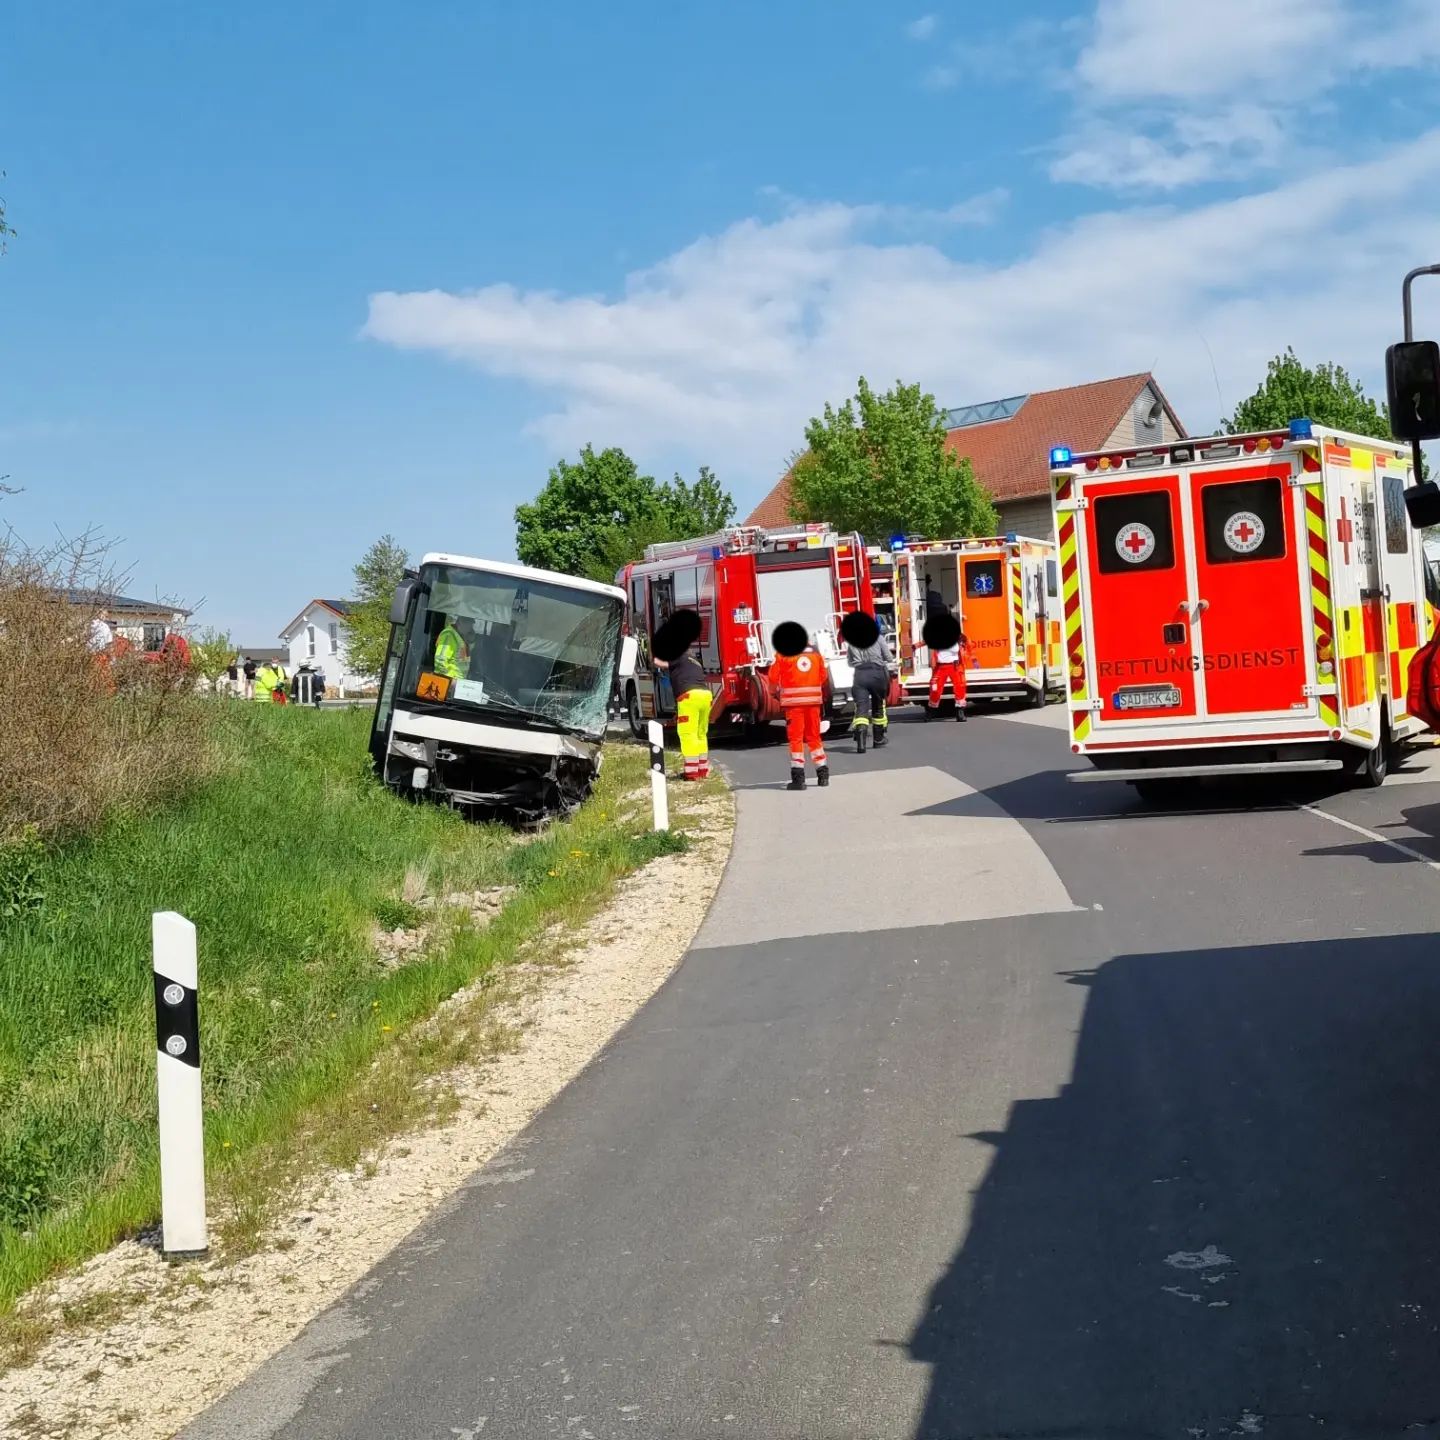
[(514, 647)]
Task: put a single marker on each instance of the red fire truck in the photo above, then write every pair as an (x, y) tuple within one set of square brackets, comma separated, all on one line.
[(743, 581), (1246, 604)]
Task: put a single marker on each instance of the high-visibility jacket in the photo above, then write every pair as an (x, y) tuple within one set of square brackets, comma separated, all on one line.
[(267, 679), (452, 654), (800, 679)]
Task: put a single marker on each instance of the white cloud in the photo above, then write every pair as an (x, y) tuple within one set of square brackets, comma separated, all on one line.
[(721, 351), (1159, 104), (923, 28)]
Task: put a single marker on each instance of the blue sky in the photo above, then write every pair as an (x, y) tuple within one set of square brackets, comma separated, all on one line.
[(282, 284)]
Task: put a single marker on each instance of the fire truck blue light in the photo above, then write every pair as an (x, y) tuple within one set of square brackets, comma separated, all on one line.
[(1301, 429), (1059, 456)]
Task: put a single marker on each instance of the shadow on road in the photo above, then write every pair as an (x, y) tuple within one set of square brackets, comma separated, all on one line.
[(1226, 1223)]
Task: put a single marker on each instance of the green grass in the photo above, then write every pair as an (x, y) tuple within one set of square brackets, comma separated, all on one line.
[(286, 863)]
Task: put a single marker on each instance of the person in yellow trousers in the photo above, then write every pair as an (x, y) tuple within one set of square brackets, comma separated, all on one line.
[(673, 647)]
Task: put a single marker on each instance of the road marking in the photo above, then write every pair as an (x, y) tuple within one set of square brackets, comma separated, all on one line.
[(879, 851), (1399, 845)]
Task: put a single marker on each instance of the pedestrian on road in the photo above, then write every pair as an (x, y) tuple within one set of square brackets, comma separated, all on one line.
[(317, 686), (870, 658), (949, 655), (802, 680), (673, 648)]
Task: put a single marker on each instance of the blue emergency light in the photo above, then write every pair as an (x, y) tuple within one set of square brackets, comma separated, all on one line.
[(1059, 457), (897, 542), (1302, 429)]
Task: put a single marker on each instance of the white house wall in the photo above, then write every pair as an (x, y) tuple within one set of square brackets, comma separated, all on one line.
[(331, 659)]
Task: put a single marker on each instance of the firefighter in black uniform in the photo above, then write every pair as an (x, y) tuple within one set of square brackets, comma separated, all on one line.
[(871, 660)]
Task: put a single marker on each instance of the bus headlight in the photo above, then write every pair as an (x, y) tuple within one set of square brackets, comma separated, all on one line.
[(410, 750)]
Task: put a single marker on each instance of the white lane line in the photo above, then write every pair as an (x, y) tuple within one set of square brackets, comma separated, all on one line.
[(1399, 845)]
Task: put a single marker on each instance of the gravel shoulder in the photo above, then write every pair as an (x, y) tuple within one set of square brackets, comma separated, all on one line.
[(146, 1346)]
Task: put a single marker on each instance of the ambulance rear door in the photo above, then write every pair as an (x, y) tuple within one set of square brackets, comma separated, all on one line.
[(1134, 535), (989, 586), (1251, 578), (1402, 574)]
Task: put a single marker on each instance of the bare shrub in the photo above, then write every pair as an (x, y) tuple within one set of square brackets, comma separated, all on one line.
[(81, 735)]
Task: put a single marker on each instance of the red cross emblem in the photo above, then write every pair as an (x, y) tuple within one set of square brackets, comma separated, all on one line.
[(1135, 542), (1244, 532), (1345, 529)]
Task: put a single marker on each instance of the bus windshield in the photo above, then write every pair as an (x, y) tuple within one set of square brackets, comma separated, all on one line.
[(513, 646)]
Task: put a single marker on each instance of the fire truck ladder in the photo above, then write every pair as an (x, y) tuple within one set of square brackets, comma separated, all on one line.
[(847, 576)]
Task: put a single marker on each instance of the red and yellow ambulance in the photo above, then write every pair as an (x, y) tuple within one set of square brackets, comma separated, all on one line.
[(1245, 604), (1004, 589)]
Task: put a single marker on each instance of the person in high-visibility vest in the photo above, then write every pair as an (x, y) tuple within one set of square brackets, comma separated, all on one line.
[(948, 658), (801, 677), (673, 648), (452, 654), (268, 679)]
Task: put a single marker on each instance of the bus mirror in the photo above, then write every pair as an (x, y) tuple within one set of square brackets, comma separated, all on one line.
[(400, 603), (1422, 503), (629, 655), (1412, 379)]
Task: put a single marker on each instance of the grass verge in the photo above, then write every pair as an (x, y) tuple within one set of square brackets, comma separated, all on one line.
[(312, 1048)]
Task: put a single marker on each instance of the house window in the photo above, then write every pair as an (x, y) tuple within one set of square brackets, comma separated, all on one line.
[(310, 641), (334, 637), (153, 638)]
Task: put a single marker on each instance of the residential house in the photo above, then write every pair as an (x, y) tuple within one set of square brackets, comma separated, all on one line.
[(146, 624), (1008, 444), (316, 636)]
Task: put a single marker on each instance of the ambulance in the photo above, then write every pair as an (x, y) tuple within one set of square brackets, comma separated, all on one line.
[(1005, 589), (1244, 604), (744, 581)]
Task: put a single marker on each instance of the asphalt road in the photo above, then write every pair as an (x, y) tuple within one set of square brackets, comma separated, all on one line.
[(985, 1105)]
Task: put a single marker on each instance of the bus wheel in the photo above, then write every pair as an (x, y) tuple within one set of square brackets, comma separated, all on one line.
[(632, 709)]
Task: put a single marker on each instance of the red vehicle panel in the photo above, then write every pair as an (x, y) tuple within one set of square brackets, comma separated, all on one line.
[(1252, 629), (1136, 571)]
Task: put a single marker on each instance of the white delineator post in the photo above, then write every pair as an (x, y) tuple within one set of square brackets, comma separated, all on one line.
[(660, 802), (177, 1069)]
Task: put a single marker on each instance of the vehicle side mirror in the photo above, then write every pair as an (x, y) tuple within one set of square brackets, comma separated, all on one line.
[(1412, 381), (629, 655), (400, 603)]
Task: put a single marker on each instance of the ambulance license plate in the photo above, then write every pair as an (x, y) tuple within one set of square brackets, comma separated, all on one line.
[(1147, 697)]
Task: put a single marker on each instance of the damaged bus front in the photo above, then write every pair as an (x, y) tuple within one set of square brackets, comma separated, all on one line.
[(497, 685)]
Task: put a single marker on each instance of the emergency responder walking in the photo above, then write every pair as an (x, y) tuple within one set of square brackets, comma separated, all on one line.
[(802, 679), (870, 658), (672, 646), (948, 658), (452, 654)]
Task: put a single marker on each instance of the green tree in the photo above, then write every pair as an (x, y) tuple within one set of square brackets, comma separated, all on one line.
[(698, 509), (596, 514), (212, 652), (879, 464), (1325, 394), (367, 631)]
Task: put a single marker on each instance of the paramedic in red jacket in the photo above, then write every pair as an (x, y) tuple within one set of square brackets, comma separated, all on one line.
[(801, 677), (948, 659)]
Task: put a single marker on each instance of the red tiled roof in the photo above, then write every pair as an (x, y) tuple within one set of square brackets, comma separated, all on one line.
[(1011, 457)]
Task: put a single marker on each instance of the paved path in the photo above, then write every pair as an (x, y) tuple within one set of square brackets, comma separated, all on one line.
[(985, 1105)]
